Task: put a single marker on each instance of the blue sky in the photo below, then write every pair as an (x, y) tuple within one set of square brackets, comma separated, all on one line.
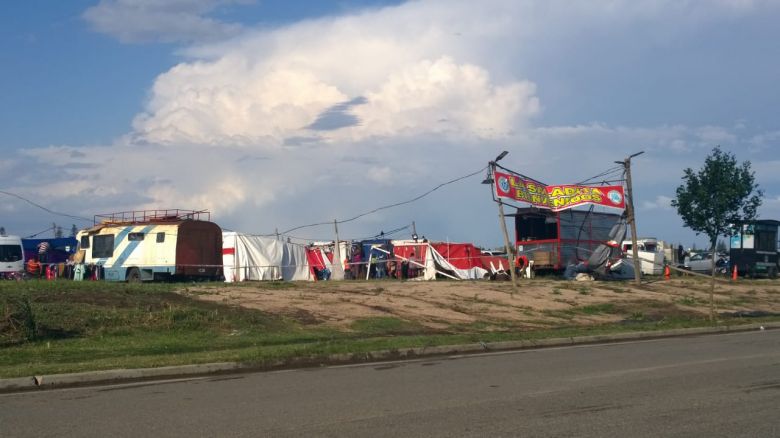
[(275, 114)]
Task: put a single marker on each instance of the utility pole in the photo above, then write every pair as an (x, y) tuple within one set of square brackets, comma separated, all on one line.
[(414, 231), (338, 268), (510, 249), (632, 216)]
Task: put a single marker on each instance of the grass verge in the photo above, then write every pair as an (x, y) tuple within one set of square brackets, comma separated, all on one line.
[(62, 327)]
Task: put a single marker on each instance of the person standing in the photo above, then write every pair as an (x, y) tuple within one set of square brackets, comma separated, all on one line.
[(357, 265), (33, 267), (43, 254)]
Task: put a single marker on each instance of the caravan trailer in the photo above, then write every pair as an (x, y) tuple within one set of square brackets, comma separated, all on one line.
[(153, 245)]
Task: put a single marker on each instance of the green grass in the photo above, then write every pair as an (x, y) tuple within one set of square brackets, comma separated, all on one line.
[(59, 327), (595, 309)]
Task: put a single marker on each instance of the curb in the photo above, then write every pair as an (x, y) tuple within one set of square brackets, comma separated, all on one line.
[(53, 381)]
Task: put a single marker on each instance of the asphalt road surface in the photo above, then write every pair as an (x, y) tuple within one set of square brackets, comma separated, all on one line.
[(725, 385)]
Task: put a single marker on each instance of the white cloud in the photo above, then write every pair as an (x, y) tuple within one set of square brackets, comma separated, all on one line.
[(134, 21), (444, 97), (660, 202), (765, 141), (233, 102), (715, 135)]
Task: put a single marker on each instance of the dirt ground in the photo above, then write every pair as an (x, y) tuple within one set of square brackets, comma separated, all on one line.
[(538, 303)]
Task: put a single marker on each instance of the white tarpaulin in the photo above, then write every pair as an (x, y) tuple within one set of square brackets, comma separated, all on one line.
[(261, 258)]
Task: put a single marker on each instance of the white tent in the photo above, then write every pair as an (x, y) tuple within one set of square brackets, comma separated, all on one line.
[(246, 257)]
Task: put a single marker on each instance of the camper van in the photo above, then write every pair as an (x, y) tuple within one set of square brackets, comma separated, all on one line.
[(650, 253), (11, 254), (146, 246)]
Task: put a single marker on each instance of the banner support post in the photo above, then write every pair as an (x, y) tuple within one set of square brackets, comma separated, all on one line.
[(510, 249), (632, 216), (338, 267)]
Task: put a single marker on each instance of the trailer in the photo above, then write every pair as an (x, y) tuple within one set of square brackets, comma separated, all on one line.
[(754, 248), (553, 240), (153, 245)]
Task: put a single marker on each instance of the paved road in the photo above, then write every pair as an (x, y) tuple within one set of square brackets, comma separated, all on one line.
[(725, 385)]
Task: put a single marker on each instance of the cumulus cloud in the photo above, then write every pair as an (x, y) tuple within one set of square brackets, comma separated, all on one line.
[(138, 21), (239, 100)]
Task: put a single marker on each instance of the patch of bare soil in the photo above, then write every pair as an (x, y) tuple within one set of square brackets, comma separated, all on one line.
[(537, 303)]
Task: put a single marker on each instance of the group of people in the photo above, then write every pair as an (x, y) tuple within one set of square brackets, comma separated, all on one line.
[(46, 266), (39, 266)]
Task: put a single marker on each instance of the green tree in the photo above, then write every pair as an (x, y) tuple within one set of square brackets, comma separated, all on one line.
[(720, 194)]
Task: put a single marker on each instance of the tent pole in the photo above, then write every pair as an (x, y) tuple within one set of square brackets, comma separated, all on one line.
[(368, 263)]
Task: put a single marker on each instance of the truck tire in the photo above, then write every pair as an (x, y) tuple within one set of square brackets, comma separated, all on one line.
[(772, 272), (133, 275)]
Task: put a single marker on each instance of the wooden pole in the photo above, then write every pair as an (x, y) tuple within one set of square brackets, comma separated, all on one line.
[(510, 248), (510, 251), (712, 282), (632, 220), (338, 268)]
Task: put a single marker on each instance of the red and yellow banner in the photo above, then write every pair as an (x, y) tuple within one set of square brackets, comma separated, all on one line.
[(557, 197)]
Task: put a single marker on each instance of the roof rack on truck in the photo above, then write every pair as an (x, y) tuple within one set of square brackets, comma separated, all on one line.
[(140, 216)]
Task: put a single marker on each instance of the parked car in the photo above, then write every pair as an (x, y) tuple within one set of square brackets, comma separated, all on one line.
[(702, 262)]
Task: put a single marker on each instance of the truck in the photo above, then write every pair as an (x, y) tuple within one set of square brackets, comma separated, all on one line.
[(151, 245), (754, 248)]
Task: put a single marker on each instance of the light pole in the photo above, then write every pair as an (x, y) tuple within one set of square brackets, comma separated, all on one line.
[(510, 250), (632, 215)]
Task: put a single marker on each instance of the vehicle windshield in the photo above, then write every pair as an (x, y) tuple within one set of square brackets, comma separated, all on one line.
[(10, 253)]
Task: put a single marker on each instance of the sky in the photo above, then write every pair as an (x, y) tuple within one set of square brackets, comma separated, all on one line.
[(278, 114)]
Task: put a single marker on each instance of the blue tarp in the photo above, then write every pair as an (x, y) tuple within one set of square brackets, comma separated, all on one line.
[(382, 243), (59, 249)]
